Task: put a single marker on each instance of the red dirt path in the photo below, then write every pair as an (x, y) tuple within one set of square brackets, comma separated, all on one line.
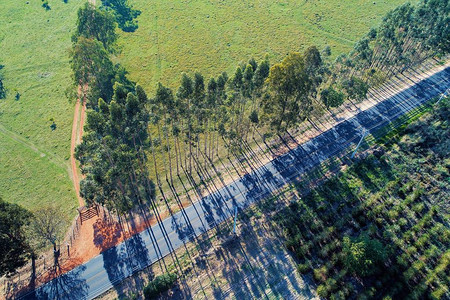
[(73, 164)]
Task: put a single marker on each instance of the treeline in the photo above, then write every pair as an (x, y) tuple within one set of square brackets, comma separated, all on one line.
[(193, 120), (406, 36), (112, 154)]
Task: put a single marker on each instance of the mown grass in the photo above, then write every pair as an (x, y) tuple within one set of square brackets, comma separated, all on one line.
[(34, 47), (214, 36)]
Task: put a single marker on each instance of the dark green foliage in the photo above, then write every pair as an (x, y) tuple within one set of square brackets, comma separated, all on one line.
[(291, 86), (254, 117), (363, 255), (356, 88), (14, 249), (2, 87), (124, 13), (379, 228), (159, 285), (96, 24), (120, 76), (407, 35), (331, 98), (112, 152), (326, 51), (261, 73), (313, 60), (45, 4), (95, 77)]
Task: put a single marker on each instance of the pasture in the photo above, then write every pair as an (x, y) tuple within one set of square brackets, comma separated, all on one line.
[(214, 36)]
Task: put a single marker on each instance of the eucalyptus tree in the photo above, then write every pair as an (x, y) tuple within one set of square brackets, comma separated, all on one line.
[(290, 87), (184, 95), (199, 109), (331, 97), (109, 155), (92, 69), (96, 24), (260, 76), (164, 99), (212, 104)]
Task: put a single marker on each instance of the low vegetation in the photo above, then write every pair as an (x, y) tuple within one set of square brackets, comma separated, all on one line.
[(159, 285), (380, 228)]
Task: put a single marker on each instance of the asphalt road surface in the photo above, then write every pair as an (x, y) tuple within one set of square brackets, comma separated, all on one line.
[(110, 267)]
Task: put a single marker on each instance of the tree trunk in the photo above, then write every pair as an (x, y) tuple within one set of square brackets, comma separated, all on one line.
[(168, 150), (162, 151)]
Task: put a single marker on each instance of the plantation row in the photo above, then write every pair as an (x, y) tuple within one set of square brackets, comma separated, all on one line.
[(125, 125), (380, 228)]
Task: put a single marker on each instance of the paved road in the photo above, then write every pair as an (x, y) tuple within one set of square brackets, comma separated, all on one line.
[(102, 272)]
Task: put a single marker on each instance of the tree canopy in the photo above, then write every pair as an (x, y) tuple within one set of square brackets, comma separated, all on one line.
[(96, 24), (14, 249), (290, 86), (363, 255), (124, 13), (111, 153)]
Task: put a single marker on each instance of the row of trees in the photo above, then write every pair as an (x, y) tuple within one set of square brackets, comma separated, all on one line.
[(113, 154), (407, 35), (184, 128)]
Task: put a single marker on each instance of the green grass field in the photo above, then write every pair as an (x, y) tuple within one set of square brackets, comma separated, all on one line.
[(34, 47), (214, 36), (173, 37)]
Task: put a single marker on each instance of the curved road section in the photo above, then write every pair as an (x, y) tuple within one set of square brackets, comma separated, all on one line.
[(110, 267)]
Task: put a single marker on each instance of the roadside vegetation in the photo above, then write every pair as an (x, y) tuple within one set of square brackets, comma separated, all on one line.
[(190, 128), (159, 285), (380, 228), (23, 235), (36, 70)]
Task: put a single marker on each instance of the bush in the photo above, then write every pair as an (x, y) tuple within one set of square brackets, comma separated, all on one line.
[(322, 291), (320, 274), (363, 255), (159, 285), (303, 268)]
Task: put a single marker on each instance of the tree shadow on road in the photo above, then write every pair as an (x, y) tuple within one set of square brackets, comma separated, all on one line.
[(106, 233)]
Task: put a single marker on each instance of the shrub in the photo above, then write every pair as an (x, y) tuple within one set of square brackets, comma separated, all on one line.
[(320, 274), (303, 268), (322, 291), (363, 255), (159, 285)]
